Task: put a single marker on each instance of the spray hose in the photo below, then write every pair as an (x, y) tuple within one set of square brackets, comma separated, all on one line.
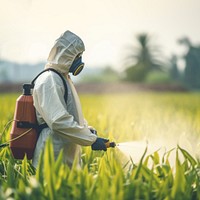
[(16, 138)]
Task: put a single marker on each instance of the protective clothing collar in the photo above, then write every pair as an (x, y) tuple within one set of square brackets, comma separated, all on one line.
[(64, 52)]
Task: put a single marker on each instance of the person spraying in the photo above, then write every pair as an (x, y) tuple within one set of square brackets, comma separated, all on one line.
[(64, 119)]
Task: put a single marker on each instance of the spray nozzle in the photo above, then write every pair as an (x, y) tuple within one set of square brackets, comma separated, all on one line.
[(110, 144), (27, 89)]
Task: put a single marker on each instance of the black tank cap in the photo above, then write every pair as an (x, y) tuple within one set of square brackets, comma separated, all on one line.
[(27, 89)]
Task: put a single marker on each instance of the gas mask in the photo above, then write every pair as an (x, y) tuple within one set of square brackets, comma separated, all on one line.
[(77, 65)]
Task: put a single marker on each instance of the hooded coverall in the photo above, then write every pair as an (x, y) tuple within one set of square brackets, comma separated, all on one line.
[(65, 124)]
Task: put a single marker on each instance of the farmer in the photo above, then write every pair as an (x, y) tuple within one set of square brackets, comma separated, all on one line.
[(64, 118)]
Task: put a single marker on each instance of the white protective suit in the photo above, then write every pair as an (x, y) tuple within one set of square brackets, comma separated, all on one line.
[(65, 121)]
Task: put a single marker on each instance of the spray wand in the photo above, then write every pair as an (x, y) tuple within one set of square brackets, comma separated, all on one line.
[(110, 144)]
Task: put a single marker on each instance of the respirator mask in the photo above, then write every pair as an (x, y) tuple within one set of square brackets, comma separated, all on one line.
[(77, 65)]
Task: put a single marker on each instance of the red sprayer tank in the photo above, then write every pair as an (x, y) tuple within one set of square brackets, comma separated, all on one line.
[(24, 125)]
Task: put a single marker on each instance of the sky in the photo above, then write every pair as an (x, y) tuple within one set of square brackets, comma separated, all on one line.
[(28, 28)]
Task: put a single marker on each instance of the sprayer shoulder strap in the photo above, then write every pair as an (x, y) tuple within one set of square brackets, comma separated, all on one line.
[(63, 80)]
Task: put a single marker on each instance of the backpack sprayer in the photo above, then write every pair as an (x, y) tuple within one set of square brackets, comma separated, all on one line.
[(23, 135), (25, 130)]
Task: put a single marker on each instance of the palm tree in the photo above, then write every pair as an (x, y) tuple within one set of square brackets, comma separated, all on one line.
[(192, 64), (142, 59)]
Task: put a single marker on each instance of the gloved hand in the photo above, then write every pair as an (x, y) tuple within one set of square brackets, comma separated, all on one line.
[(99, 144)]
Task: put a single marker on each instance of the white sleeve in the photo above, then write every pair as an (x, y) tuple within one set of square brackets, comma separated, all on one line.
[(49, 102)]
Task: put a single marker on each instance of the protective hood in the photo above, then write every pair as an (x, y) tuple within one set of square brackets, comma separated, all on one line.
[(64, 52)]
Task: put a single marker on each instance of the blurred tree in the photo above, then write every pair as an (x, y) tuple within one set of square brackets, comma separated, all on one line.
[(107, 74), (4, 76), (174, 72), (192, 64), (143, 59), (110, 75)]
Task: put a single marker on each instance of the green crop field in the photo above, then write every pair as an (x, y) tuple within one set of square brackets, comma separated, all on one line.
[(171, 120)]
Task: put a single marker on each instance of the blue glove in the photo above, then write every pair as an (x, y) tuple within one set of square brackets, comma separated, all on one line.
[(99, 144)]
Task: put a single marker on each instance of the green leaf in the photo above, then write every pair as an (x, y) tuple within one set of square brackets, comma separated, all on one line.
[(187, 156)]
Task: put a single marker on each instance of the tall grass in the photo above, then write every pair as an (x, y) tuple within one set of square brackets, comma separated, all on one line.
[(104, 175)]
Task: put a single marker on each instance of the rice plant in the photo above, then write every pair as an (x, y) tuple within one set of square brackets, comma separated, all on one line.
[(109, 175)]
